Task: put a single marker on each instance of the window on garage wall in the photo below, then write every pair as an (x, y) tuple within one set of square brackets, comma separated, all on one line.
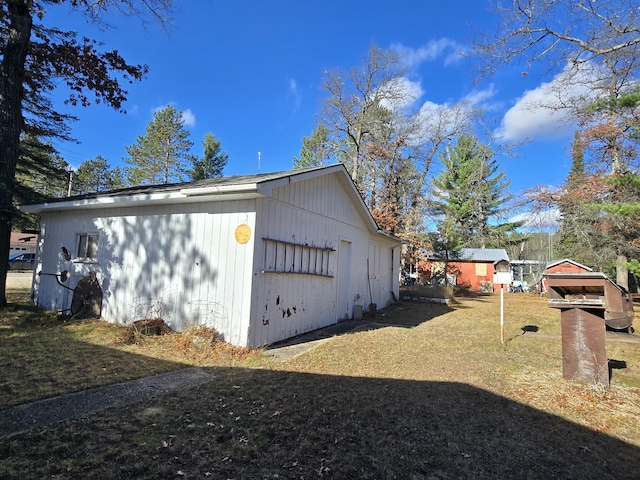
[(87, 246)]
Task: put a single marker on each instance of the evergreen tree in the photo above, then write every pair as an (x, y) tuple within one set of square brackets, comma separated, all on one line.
[(35, 59), (315, 150), (41, 175), (576, 235), (617, 209), (446, 243), (613, 136), (161, 154), (212, 162), (95, 175), (577, 174), (471, 192), (116, 178)]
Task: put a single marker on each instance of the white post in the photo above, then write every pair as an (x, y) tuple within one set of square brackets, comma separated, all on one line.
[(70, 183), (502, 313)]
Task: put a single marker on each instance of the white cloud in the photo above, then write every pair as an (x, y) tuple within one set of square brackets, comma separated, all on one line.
[(429, 109), (442, 121), (547, 220), (482, 98), (411, 90), (295, 91), (545, 112), (401, 93), (188, 118), (528, 119), (454, 117), (431, 51)]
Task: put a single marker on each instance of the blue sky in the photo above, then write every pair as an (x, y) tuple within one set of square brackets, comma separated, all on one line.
[(249, 72)]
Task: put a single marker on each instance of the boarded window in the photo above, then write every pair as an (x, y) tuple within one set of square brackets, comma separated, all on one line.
[(288, 257), (87, 246), (481, 269)]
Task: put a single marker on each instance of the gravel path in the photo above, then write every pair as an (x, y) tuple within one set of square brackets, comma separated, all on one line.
[(57, 409)]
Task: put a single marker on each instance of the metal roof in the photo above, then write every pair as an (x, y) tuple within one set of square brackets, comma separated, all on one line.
[(483, 254), (212, 189), (183, 186)]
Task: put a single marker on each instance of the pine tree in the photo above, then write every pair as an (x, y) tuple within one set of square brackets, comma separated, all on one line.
[(95, 175), (314, 151), (471, 193), (446, 243), (577, 236), (41, 175), (161, 154), (212, 162)]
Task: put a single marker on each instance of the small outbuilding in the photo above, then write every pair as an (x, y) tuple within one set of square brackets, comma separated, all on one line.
[(566, 265), (477, 266), (474, 267), (259, 258)]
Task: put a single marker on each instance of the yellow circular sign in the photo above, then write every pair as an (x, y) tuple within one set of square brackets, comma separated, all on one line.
[(243, 233)]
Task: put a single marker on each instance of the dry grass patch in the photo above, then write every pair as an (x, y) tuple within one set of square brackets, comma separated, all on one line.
[(44, 354), (462, 344), (425, 391)]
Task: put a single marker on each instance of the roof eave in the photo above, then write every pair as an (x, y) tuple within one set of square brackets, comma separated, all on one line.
[(184, 195)]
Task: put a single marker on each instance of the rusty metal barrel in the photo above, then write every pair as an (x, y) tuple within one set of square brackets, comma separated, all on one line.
[(588, 303)]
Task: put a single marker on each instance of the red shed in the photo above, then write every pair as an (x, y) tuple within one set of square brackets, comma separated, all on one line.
[(566, 265), (474, 268)]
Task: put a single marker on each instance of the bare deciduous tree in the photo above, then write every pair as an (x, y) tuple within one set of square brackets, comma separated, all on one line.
[(375, 126), (594, 49)]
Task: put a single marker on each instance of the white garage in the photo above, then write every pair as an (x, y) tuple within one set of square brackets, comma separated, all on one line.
[(260, 258)]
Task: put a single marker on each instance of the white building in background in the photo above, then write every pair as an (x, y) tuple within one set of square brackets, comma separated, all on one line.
[(22, 242)]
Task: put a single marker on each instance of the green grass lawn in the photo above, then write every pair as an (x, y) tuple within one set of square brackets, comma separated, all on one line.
[(424, 391)]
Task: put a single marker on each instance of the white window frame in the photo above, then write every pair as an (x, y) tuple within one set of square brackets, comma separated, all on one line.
[(84, 245)]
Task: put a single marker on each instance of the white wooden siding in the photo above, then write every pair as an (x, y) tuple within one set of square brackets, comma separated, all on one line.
[(318, 213), (324, 196), (180, 263)]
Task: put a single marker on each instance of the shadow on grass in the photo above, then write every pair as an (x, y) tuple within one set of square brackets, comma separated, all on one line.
[(40, 358), (614, 364), (251, 423), (402, 314), (254, 423)]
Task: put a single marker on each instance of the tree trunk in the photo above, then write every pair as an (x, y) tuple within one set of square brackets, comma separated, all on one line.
[(12, 73), (622, 272)]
